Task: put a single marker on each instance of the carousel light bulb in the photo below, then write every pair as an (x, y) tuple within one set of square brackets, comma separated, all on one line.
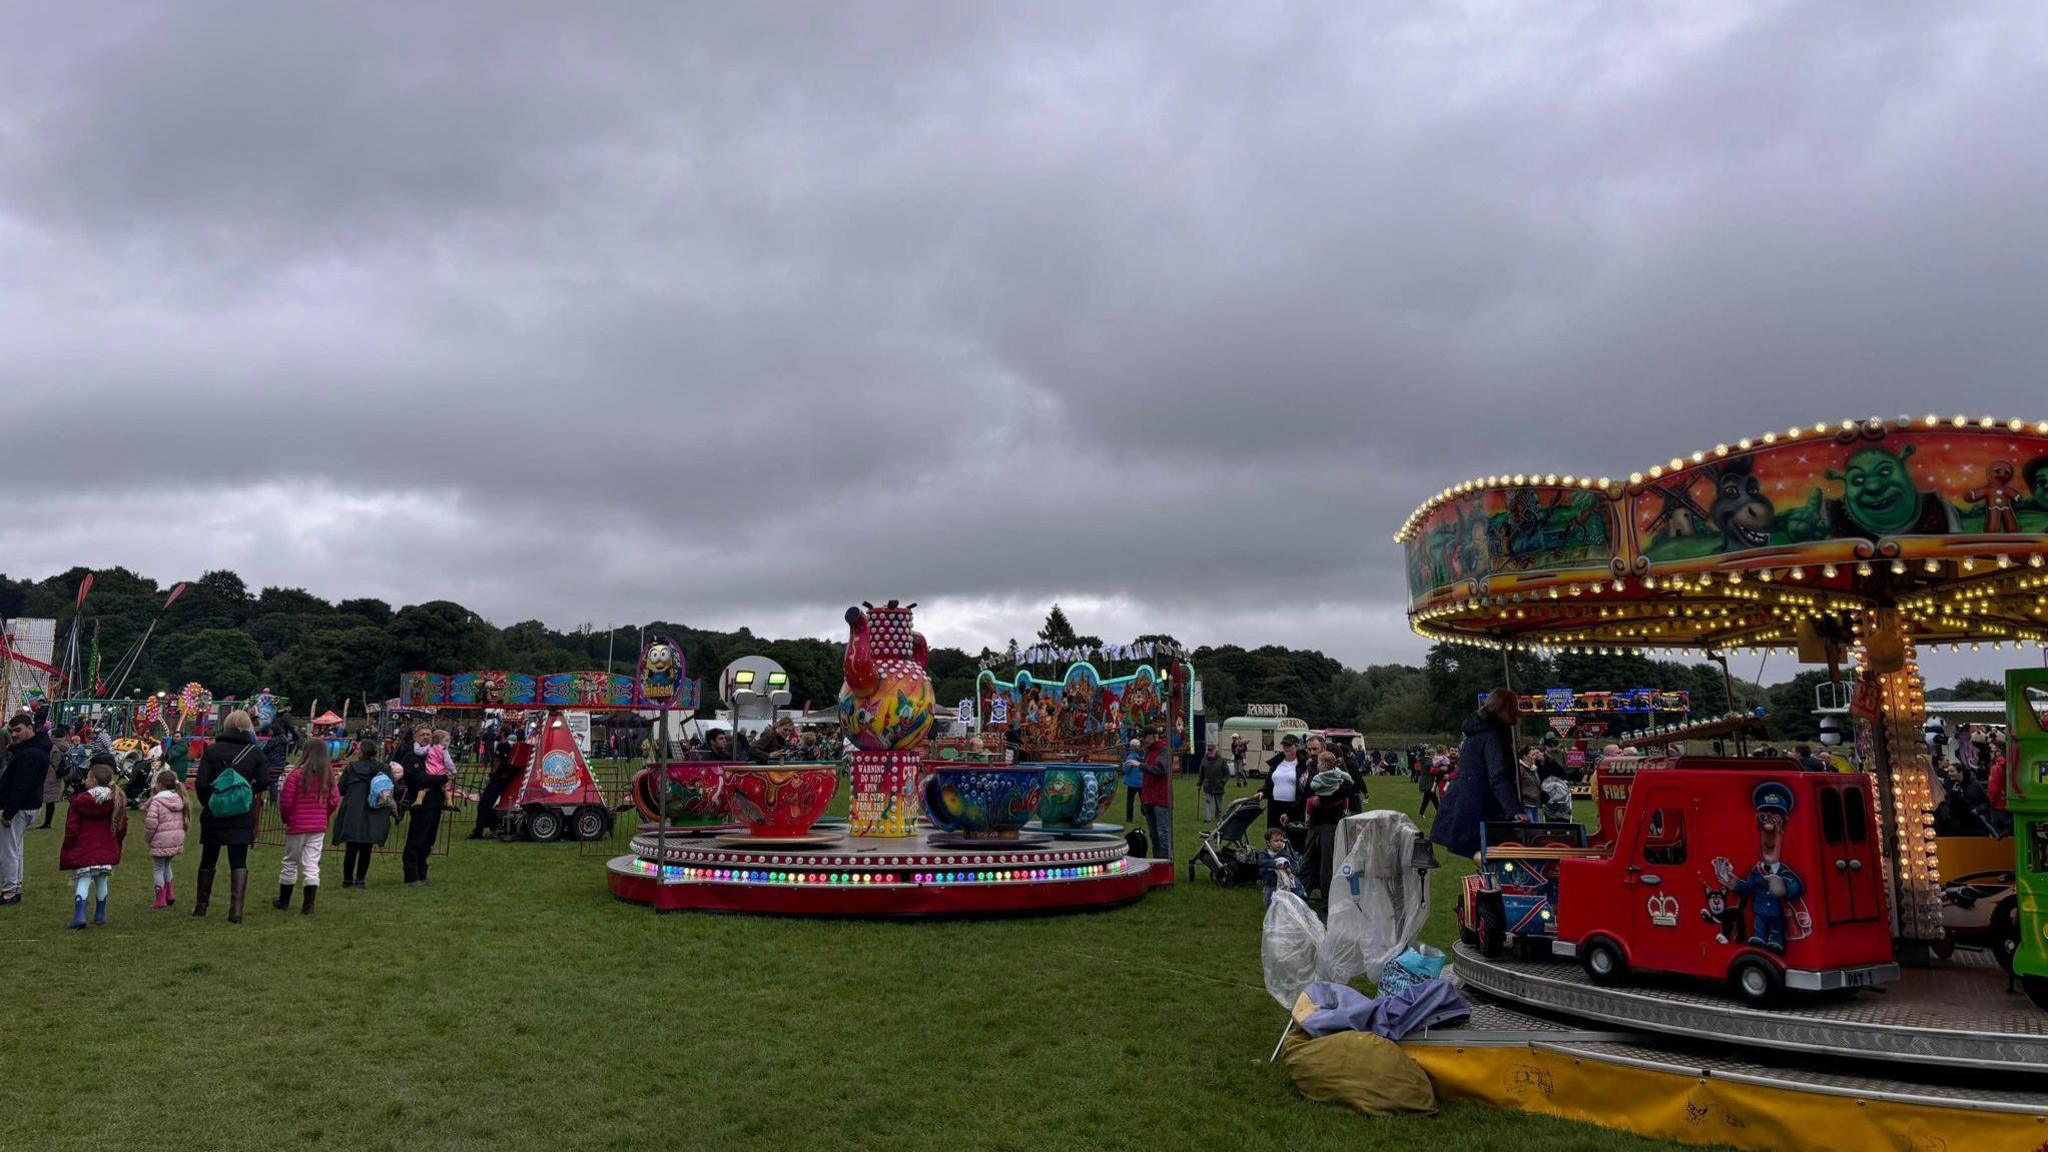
[(2005, 561), (1635, 477), (1898, 567), (1744, 444), (1764, 575), (2034, 561), (1828, 571)]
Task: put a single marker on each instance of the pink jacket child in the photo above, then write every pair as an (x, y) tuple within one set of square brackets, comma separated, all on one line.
[(437, 760), (163, 823), (303, 809)]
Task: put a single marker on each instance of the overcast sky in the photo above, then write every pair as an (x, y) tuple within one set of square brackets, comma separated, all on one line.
[(740, 313)]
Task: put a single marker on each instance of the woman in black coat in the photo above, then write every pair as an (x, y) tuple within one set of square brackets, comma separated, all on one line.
[(357, 825), (427, 798), (236, 748), (1487, 787)]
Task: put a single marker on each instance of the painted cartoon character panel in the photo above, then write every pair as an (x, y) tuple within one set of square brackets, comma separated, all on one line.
[(1083, 712), (492, 689), (1773, 893), (1921, 483), (1526, 529), (661, 674)]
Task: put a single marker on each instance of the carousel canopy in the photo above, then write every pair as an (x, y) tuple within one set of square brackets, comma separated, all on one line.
[(1928, 529), (327, 717)]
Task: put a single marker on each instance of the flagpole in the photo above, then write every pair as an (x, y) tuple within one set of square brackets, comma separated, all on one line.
[(135, 656)]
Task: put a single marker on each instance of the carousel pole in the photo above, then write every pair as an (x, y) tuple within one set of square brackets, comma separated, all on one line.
[(1889, 699)]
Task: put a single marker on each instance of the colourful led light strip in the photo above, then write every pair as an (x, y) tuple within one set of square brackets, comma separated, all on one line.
[(869, 879)]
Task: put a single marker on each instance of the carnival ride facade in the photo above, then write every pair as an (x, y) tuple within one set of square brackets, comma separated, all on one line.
[(1853, 544), (556, 794), (925, 836)]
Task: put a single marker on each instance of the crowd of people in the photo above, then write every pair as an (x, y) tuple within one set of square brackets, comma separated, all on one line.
[(1308, 787), (242, 769), (1969, 784)]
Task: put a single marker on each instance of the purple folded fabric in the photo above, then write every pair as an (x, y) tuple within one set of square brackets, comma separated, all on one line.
[(1396, 1015)]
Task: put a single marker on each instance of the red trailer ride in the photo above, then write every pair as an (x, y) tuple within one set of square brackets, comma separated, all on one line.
[(1767, 878), (554, 792)]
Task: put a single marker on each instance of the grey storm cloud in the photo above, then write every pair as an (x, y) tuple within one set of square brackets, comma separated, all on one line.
[(735, 314)]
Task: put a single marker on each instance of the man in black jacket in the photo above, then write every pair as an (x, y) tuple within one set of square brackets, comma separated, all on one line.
[(21, 793), (428, 795), (503, 775)]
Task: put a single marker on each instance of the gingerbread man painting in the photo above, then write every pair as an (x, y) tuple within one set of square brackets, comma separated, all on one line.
[(1999, 497)]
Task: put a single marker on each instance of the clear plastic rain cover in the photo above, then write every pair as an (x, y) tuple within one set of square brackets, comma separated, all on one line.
[(1379, 899), (1293, 939)]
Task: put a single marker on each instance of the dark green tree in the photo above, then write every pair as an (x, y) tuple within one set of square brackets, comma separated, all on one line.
[(226, 660)]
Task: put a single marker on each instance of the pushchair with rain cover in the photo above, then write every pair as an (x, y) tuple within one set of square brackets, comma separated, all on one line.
[(1226, 851)]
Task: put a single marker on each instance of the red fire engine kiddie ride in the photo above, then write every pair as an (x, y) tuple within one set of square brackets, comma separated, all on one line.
[(1717, 868)]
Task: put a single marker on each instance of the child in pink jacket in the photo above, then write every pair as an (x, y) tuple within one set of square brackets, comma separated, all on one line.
[(165, 820), (306, 800)]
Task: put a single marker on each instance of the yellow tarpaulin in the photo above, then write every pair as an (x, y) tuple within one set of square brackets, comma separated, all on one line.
[(1692, 1109)]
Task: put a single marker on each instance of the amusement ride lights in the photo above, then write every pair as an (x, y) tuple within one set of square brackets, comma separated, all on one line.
[(1609, 594)]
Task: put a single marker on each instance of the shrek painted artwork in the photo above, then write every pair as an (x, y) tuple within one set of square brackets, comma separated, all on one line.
[(1801, 493)]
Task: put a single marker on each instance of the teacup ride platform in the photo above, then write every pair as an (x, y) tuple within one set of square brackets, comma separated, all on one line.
[(879, 877)]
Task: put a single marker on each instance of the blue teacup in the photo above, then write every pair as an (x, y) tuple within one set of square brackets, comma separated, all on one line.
[(981, 800), (1074, 795)]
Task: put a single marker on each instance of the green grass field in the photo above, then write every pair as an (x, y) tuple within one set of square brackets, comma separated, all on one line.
[(514, 1003)]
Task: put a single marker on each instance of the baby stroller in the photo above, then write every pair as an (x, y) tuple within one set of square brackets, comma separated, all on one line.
[(1226, 851)]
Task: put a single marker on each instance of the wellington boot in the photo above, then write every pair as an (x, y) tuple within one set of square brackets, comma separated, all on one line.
[(205, 891), (238, 889)]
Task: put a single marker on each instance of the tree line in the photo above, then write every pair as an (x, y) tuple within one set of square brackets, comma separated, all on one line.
[(236, 641)]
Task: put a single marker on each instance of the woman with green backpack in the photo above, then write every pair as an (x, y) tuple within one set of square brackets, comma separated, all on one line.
[(230, 786)]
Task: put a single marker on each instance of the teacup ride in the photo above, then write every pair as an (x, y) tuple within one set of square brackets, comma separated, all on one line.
[(1073, 796), (691, 800), (982, 806), (973, 857), (782, 804)]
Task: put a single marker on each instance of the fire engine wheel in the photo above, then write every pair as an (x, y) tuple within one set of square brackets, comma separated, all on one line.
[(2005, 934), (591, 823), (544, 825), (1603, 962), (1756, 981), (1493, 926), (2037, 990)]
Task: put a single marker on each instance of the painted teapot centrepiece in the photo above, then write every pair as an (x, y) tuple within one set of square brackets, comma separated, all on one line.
[(886, 702)]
